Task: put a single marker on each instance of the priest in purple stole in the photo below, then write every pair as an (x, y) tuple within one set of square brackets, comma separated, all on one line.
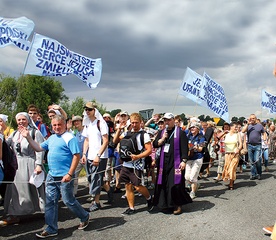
[(170, 192)]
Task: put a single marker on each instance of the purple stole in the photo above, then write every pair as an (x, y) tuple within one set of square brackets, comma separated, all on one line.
[(176, 151)]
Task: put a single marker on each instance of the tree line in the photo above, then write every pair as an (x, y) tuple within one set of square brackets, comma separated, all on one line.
[(17, 93)]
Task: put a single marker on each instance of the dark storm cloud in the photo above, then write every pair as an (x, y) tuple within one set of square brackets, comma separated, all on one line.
[(146, 46)]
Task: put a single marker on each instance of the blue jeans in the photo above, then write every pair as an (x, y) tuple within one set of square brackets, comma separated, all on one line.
[(254, 156), (54, 187), (265, 156)]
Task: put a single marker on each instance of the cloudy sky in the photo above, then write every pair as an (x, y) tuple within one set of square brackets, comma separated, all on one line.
[(146, 46)]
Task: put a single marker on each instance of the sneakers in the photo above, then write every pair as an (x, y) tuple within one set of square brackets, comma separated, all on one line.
[(252, 178), (84, 225), (94, 207), (268, 229), (259, 177), (9, 221), (177, 210), (110, 195), (45, 234), (150, 204), (192, 195), (129, 211)]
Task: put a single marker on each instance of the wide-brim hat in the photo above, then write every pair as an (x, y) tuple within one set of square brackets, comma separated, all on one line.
[(90, 105), (76, 118)]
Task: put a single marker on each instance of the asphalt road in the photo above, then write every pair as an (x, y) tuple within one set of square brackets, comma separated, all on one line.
[(217, 213)]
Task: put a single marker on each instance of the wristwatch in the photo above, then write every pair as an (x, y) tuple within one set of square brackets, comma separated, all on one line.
[(99, 155), (184, 160)]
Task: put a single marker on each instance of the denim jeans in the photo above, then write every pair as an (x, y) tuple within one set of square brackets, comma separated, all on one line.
[(265, 156), (54, 187), (254, 156)]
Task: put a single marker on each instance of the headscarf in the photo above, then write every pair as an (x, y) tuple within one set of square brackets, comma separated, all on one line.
[(57, 112), (31, 123), (4, 117), (86, 120)]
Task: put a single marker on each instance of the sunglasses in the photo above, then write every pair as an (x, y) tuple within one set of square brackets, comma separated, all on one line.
[(89, 109)]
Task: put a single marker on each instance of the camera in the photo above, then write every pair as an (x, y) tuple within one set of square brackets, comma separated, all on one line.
[(18, 147), (244, 121)]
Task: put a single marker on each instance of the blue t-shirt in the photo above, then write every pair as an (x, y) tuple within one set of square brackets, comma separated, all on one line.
[(254, 133), (61, 150), (199, 139)]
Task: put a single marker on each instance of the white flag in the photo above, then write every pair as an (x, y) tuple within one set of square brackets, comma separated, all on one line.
[(16, 31), (214, 96), (191, 87), (47, 57), (268, 101)]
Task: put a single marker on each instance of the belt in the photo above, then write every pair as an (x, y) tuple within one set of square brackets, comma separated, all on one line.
[(254, 144)]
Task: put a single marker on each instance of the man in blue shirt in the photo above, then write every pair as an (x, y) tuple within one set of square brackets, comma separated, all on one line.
[(255, 131), (63, 158)]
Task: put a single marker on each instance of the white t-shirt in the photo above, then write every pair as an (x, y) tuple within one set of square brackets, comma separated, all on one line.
[(95, 138)]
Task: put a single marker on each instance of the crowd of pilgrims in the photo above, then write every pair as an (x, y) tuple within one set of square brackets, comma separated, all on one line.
[(206, 146)]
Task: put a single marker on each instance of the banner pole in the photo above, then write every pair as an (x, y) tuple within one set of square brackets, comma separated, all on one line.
[(175, 103)]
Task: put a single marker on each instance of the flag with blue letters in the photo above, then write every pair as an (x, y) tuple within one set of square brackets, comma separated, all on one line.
[(48, 57), (214, 96), (191, 87), (16, 31), (268, 101)]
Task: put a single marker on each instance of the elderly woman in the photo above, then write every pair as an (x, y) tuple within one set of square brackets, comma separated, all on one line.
[(21, 197), (233, 145), (193, 165)]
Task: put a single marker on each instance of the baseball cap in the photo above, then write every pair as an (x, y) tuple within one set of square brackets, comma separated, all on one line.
[(107, 115), (57, 112), (123, 113), (168, 116)]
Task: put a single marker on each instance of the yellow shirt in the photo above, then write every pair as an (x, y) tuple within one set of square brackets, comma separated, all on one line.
[(231, 142), (8, 132)]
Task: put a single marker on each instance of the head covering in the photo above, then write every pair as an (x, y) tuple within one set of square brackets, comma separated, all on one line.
[(123, 113), (76, 118), (160, 120), (4, 117), (195, 124), (90, 105), (168, 116), (30, 121), (128, 123), (57, 112), (86, 120), (107, 115)]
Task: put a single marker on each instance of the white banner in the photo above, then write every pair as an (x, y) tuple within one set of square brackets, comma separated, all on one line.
[(214, 96), (16, 31), (47, 57), (191, 87), (268, 101)]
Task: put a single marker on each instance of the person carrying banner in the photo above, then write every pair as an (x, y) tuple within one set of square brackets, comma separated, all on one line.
[(63, 158)]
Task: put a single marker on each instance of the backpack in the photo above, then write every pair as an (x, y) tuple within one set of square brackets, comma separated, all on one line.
[(9, 162), (128, 145)]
